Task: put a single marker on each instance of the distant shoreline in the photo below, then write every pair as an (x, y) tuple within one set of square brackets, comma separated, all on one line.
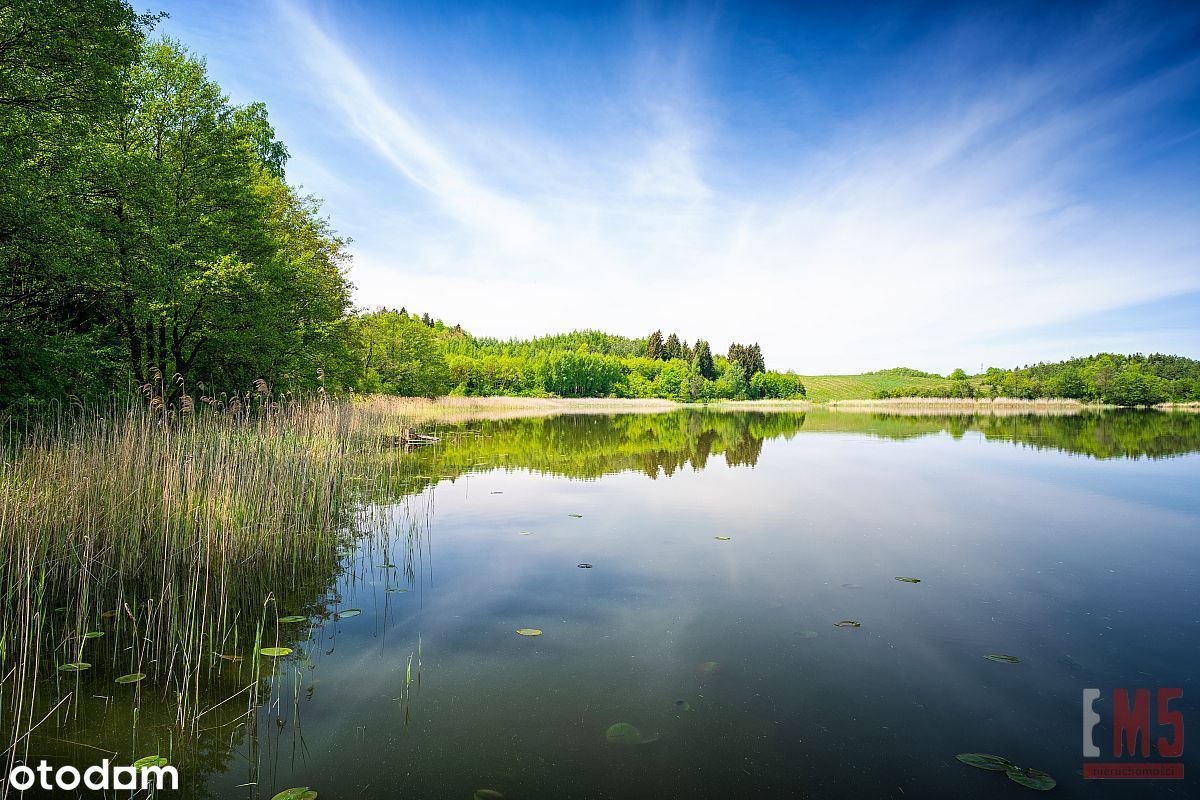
[(454, 408)]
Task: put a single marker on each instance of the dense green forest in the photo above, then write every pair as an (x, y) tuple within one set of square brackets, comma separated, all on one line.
[(1136, 380), (406, 354)]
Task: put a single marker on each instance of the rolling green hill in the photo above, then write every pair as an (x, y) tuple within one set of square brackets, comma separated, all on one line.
[(823, 388)]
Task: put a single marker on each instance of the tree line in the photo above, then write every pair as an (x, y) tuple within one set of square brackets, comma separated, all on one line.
[(1109, 378), (402, 353)]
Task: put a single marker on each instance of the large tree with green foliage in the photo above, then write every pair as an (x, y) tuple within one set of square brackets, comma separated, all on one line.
[(401, 355)]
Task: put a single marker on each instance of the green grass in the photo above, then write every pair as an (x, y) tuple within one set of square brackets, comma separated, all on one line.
[(823, 388)]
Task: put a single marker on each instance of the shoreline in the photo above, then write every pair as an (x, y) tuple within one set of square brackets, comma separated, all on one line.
[(459, 409)]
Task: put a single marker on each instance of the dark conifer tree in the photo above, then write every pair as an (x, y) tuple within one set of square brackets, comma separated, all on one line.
[(703, 360), (654, 345), (672, 348)]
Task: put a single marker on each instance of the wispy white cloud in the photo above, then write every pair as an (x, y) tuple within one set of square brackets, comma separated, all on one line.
[(933, 232)]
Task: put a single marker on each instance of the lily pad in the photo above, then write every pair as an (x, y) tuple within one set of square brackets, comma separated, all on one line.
[(93, 634), (349, 612), (225, 657), (150, 761), (986, 761), (807, 634), (387, 566), (395, 590), (297, 793), (1003, 659), (525, 533), (683, 705), (529, 631), (584, 566), (576, 516), (623, 733), (108, 614), (132, 677), (75, 666), (487, 794), (847, 623), (276, 652), (907, 580), (1033, 778), (722, 538), (292, 619)]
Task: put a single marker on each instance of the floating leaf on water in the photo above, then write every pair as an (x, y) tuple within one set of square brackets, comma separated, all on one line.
[(109, 614), (623, 733), (1003, 659), (709, 667), (297, 793), (93, 634), (986, 761), (387, 566), (132, 677), (395, 590), (75, 666), (584, 566), (1033, 778), (851, 585), (349, 612), (907, 580), (276, 652), (150, 761), (576, 516), (487, 794), (497, 492), (847, 623), (294, 618), (529, 631), (723, 538), (683, 705), (807, 634), (228, 658), (525, 533)]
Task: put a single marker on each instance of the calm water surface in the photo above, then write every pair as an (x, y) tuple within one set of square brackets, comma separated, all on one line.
[(1072, 543)]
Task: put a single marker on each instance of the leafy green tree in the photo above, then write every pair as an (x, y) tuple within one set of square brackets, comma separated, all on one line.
[(776, 385), (216, 269), (401, 356), (62, 69), (959, 374)]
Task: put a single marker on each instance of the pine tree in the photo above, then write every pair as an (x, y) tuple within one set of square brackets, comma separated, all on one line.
[(748, 357), (703, 360), (654, 345), (673, 348)]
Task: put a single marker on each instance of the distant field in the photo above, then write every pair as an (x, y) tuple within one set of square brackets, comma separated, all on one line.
[(823, 388)]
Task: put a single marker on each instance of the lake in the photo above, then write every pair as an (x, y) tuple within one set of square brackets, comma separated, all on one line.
[(722, 549)]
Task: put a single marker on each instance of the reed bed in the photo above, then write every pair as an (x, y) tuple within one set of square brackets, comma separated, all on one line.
[(154, 537)]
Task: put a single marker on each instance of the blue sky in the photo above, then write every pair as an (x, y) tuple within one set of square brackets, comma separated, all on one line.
[(855, 188)]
